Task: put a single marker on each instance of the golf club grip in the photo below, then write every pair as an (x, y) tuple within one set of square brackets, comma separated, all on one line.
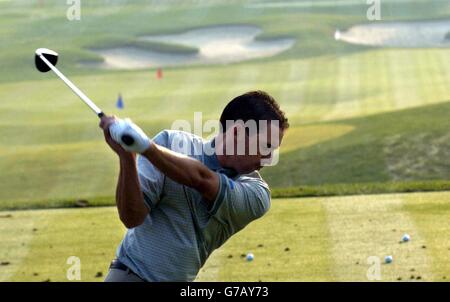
[(127, 139)]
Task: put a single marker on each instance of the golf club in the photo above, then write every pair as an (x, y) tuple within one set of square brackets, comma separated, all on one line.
[(46, 60)]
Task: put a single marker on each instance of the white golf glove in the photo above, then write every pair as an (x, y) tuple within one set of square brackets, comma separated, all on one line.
[(124, 131)]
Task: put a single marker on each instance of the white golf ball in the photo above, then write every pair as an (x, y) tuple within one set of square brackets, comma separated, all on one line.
[(405, 238), (250, 257), (388, 259)]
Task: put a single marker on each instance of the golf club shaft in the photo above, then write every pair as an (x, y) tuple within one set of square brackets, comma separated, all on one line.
[(74, 88)]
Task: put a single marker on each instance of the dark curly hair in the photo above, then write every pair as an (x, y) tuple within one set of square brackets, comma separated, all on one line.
[(254, 105)]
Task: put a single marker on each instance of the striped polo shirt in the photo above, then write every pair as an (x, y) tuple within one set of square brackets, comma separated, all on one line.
[(180, 232)]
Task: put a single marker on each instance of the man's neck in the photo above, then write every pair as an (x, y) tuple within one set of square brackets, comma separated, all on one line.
[(220, 154)]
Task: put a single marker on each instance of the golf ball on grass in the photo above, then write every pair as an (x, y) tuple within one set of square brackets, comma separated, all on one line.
[(250, 257), (406, 238), (388, 259)]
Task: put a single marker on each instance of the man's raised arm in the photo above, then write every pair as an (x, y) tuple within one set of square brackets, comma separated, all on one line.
[(184, 170), (129, 197)]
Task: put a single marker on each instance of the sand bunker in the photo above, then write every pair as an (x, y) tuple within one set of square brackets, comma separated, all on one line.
[(216, 45), (398, 34)]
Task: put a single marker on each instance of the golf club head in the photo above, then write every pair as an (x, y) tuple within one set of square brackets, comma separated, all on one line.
[(50, 55)]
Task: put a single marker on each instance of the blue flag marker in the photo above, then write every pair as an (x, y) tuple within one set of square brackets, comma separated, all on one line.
[(119, 103)]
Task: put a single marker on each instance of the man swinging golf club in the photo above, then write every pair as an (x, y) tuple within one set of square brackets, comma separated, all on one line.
[(181, 203), (183, 196)]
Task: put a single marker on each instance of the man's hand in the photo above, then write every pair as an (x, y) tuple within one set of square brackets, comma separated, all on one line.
[(105, 122), (119, 129)]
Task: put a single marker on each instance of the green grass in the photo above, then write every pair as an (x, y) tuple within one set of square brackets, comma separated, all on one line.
[(364, 120), (360, 189), (288, 192), (402, 151), (329, 239), (404, 146), (54, 236)]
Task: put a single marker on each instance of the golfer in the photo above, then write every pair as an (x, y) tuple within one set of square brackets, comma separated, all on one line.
[(183, 197)]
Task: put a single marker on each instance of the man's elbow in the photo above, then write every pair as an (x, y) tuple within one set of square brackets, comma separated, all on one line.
[(206, 186), (264, 204), (132, 221)]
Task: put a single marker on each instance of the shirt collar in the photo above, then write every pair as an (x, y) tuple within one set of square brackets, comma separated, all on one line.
[(212, 162)]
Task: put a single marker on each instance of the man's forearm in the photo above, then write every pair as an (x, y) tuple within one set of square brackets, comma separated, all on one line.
[(129, 198), (184, 170)]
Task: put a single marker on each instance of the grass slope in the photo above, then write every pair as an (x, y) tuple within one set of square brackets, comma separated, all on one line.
[(407, 145), (392, 152)]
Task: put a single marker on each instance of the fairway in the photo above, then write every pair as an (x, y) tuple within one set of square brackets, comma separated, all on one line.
[(365, 160), (346, 103), (310, 239)]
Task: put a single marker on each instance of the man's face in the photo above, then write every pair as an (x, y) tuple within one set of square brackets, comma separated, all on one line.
[(254, 151)]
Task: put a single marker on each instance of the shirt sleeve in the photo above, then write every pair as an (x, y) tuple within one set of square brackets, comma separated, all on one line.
[(150, 178), (240, 201)]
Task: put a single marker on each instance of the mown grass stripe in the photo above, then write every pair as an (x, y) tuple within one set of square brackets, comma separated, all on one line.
[(15, 237), (431, 214), (363, 227)]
